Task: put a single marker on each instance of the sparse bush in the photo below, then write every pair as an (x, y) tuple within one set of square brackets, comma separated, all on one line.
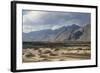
[(53, 54), (47, 51), (30, 55), (79, 48), (56, 49)]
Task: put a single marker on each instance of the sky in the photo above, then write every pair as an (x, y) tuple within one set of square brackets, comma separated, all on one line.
[(40, 20)]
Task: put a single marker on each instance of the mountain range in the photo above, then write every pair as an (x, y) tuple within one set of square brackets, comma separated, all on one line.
[(64, 34)]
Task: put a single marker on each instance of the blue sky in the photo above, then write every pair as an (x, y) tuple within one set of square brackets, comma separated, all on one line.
[(40, 20)]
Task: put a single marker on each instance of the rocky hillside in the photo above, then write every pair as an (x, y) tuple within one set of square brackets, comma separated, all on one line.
[(63, 34)]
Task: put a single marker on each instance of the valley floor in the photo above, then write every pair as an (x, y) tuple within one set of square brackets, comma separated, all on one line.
[(55, 54)]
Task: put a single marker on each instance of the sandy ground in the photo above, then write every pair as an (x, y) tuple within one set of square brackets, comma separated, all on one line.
[(55, 54)]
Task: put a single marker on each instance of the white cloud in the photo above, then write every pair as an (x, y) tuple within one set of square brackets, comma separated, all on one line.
[(28, 19), (39, 20), (56, 27), (32, 15)]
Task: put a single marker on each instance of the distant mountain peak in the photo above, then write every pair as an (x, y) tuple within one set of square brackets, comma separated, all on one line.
[(63, 34), (75, 25)]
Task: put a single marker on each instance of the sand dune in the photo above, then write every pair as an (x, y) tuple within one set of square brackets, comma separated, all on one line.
[(55, 54)]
